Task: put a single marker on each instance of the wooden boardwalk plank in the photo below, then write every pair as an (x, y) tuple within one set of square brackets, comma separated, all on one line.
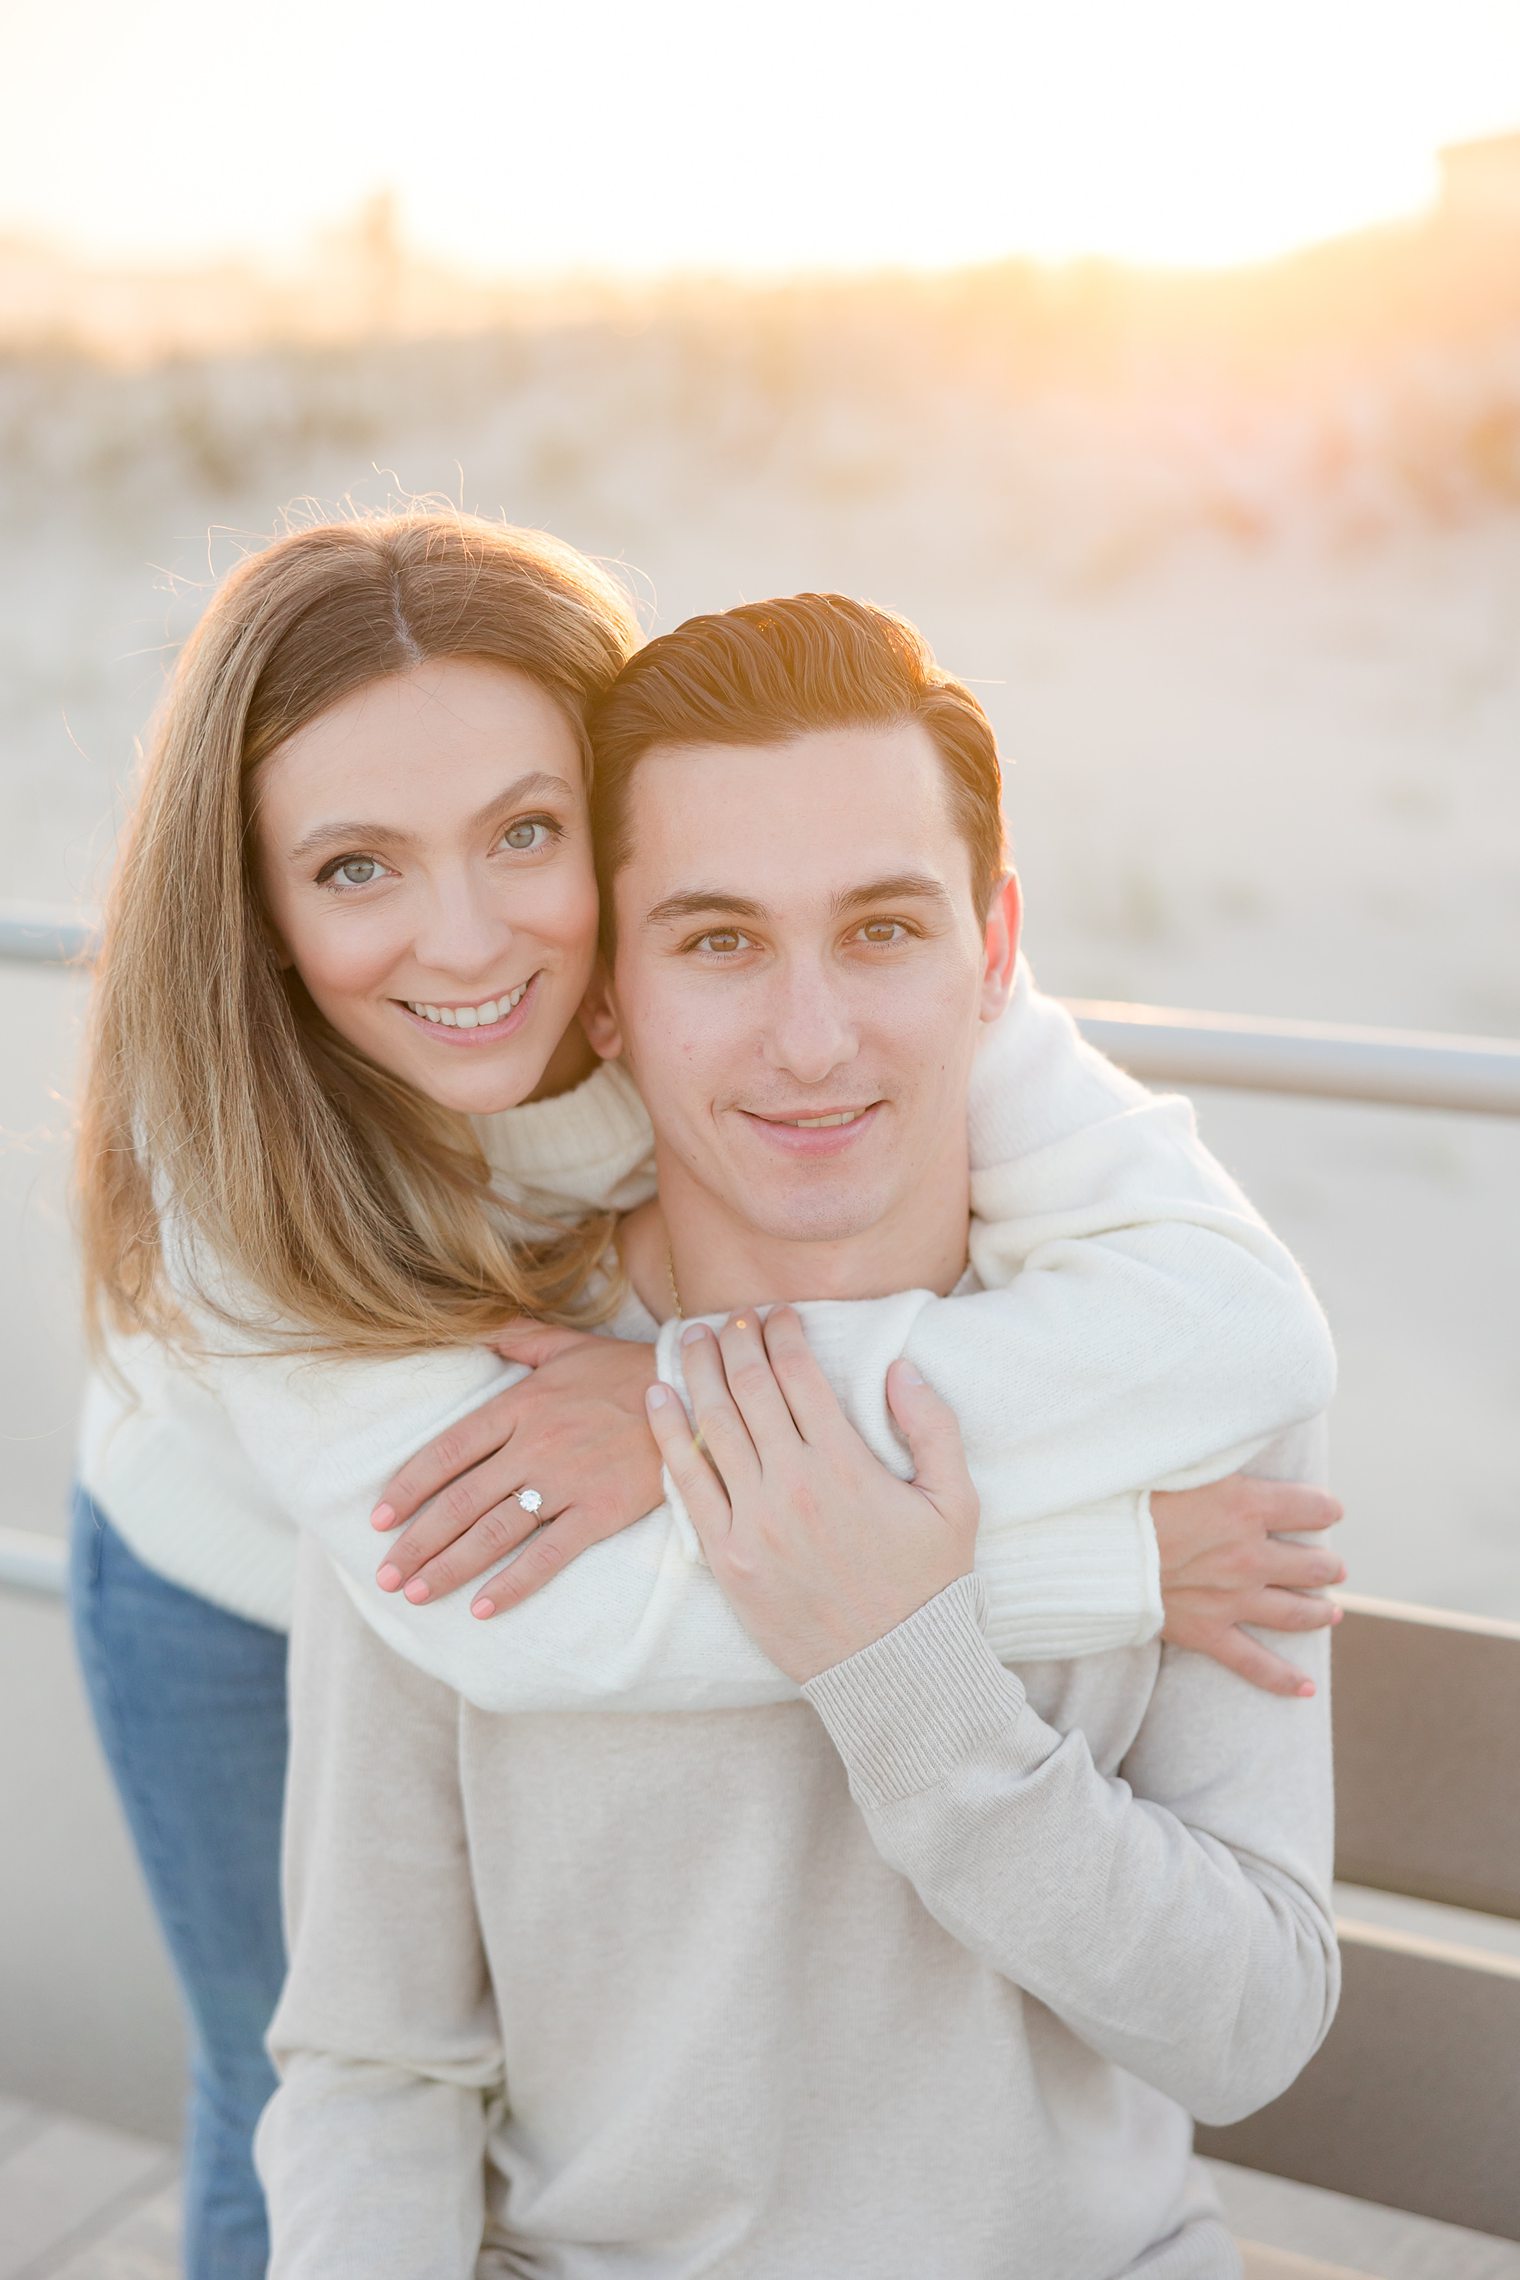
[(64, 2183)]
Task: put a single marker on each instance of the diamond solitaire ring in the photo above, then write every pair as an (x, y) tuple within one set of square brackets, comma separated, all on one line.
[(530, 1500)]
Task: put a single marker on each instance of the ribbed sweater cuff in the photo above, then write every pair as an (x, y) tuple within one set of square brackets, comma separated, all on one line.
[(906, 1710), (1081, 1584)]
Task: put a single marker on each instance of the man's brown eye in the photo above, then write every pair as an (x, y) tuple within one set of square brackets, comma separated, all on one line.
[(723, 943), (881, 930)]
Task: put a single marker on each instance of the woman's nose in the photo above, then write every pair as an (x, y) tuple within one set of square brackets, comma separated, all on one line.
[(462, 932)]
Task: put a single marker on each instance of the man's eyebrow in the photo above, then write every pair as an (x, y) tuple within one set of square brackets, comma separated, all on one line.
[(537, 784), (897, 886), (700, 902)]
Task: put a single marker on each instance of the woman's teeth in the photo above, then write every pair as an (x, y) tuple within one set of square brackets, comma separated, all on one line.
[(470, 1016), (818, 1123)]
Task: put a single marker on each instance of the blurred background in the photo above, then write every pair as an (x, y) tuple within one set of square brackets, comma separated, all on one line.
[(1160, 357)]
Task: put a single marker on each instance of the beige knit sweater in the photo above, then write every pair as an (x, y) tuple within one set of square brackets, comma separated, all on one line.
[(918, 1978)]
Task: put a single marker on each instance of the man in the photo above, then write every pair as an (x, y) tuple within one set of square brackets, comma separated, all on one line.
[(924, 1973)]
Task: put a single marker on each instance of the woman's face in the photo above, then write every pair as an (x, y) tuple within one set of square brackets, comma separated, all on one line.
[(425, 855)]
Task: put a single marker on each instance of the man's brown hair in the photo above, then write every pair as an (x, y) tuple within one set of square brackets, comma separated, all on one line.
[(770, 671)]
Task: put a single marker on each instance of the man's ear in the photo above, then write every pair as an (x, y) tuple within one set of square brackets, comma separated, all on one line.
[(1004, 920), (599, 1014)]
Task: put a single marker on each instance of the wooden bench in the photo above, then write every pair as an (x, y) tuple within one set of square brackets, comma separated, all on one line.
[(1413, 2101)]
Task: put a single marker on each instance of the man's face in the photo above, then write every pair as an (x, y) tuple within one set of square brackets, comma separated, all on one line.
[(801, 976)]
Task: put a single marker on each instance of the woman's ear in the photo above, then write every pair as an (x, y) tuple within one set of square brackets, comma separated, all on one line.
[(1001, 950), (599, 1016)]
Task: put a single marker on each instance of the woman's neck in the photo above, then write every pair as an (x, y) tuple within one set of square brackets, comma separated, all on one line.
[(570, 1064)]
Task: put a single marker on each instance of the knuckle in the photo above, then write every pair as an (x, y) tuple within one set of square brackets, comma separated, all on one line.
[(459, 1504), (448, 1451)]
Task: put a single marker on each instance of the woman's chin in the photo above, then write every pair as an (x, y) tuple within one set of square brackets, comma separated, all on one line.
[(482, 1091)]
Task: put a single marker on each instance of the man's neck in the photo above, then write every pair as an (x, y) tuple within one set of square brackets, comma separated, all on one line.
[(688, 1253)]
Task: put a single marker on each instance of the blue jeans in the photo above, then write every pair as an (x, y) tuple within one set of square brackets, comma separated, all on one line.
[(189, 1703)]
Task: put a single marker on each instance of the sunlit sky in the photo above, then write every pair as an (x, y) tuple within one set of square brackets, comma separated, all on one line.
[(700, 133)]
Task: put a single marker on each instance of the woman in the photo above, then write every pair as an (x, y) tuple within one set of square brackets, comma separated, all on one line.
[(335, 1060)]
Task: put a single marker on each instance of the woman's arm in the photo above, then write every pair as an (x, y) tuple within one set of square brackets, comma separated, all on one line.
[(1146, 1329)]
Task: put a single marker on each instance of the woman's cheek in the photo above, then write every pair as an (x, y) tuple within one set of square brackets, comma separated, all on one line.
[(351, 959)]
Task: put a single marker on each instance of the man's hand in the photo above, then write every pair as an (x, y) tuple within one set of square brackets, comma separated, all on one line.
[(575, 1431), (819, 1549), (1224, 1563)]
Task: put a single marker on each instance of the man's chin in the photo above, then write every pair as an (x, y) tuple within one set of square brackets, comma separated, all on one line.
[(812, 1218)]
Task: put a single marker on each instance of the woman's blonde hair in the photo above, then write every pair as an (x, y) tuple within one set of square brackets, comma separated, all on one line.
[(352, 1205)]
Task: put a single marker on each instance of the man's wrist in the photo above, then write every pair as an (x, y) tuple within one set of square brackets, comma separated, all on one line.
[(906, 1710)]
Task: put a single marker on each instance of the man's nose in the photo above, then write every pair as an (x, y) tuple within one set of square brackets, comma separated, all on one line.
[(462, 931), (811, 1032)]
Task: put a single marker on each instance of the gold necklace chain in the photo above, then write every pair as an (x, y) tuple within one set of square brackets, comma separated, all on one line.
[(670, 1275)]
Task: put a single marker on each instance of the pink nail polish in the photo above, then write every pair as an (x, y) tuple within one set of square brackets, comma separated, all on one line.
[(388, 1577), (656, 1397), (382, 1517), (1306, 1690), (483, 1608), (694, 1331), (1337, 1614), (417, 1591)]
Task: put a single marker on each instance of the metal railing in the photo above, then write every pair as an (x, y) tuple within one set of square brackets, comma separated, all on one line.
[(1322, 1060)]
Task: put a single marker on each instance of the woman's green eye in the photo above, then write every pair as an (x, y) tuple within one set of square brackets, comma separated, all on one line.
[(357, 871), (534, 831)]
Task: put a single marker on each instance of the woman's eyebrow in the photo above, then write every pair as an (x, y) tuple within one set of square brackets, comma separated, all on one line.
[(537, 784)]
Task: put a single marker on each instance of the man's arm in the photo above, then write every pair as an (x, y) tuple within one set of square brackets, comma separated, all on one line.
[(372, 2149), (1174, 1911), (1175, 1914)]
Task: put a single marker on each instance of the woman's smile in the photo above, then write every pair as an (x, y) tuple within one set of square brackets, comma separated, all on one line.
[(479, 1024)]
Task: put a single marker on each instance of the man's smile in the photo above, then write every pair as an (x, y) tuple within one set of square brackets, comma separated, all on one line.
[(814, 1131)]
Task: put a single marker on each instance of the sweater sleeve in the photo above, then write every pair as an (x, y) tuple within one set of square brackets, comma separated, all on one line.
[(1140, 1328), (372, 2149), (1174, 1911)]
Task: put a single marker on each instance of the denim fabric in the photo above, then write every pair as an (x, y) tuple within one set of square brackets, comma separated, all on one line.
[(189, 1702)]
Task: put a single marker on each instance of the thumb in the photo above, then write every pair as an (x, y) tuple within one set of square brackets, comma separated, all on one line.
[(933, 1436), (531, 1343)]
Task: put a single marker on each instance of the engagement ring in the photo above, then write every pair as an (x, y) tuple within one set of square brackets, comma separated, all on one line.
[(530, 1500)]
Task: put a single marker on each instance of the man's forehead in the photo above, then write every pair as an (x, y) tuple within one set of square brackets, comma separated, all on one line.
[(829, 809)]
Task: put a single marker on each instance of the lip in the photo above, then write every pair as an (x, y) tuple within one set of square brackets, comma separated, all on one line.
[(463, 1040), (831, 1140)]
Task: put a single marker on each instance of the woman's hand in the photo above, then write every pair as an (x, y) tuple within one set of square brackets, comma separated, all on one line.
[(818, 1548), (575, 1431), (1224, 1563)]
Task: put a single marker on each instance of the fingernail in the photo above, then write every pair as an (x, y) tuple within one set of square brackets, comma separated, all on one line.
[(382, 1517), (692, 1332), (1306, 1690), (1337, 1615), (656, 1397), (911, 1376), (483, 1608), (388, 1577), (1341, 1577), (417, 1591)]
